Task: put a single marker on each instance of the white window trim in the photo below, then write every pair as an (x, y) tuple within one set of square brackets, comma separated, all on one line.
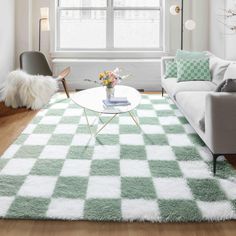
[(120, 53)]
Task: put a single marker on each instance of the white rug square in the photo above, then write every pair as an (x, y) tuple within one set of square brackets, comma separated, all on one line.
[(5, 203), (164, 153), (38, 186), (29, 129), (76, 168), (37, 139), (93, 120), (153, 129), (140, 209), (63, 208), (162, 107), (66, 129), (73, 112), (59, 105), (179, 140), (134, 168), (169, 120), (146, 113), (216, 210), (131, 139), (50, 120), (104, 187), (54, 152), (106, 152), (196, 169), (83, 140), (11, 151), (126, 121), (18, 167), (172, 188), (109, 129), (229, 187)]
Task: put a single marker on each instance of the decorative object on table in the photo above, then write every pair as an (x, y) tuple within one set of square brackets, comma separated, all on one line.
[(110, 79), (116, 101), (35, 63), (44, 24), (189, 24)]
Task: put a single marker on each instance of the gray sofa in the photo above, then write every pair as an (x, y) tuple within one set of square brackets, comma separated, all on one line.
[(211, 114)]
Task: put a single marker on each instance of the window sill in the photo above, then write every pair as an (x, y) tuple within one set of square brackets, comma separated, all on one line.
[(108, 54)]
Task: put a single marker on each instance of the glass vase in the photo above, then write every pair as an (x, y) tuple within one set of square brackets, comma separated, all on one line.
[(110, 92)]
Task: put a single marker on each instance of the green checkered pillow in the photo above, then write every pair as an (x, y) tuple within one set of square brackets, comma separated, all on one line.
[(193, 70), (171, 69)]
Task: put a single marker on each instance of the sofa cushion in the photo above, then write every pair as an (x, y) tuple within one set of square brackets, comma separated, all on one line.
[(230, 73), (218, 69), (173, 87), (193, 105)]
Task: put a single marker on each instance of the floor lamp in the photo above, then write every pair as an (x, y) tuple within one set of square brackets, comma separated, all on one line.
[(43, 23), (189, 24)]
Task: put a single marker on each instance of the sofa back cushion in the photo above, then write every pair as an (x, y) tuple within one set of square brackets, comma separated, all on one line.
[(230, 73), (189, 55), (193, 70)]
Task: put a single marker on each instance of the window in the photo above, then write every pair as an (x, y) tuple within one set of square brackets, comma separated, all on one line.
[(110, 25)]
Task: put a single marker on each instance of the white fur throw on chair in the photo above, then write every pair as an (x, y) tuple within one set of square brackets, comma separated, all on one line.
[(30, 91)]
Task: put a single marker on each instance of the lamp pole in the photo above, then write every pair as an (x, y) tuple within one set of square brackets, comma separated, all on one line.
[(182, 24)]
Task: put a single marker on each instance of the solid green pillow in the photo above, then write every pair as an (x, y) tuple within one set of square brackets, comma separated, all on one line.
[(181, 54), (171, 69), (193, 70)]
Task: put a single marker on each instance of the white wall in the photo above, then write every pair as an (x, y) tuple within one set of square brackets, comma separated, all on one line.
[(222, 40), (7, 38)]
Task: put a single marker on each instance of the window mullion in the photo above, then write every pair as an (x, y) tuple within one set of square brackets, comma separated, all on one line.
[(110, 25)]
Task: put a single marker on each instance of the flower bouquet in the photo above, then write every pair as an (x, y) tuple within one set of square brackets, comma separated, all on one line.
[(110, 79)]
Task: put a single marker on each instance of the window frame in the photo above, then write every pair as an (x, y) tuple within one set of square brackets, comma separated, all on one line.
[(109, 49)]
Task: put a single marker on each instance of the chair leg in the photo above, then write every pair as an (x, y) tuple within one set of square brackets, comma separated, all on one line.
[(65, 87)]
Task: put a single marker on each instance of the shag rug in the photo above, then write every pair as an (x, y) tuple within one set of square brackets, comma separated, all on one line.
[(54, 170)]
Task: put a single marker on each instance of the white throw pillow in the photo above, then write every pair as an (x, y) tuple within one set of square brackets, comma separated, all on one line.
[(231, 71), (218, 68)]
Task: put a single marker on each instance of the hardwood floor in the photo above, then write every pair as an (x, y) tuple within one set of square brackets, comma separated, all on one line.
[(12, 122)]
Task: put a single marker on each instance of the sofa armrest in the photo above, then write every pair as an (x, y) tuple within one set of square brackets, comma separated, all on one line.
[(220, 122), (163, 61)]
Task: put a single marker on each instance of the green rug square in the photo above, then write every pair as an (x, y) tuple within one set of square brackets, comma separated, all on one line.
[(9, 185), (196, 140), (80, 152), (84, 129), (29, 151), (179, 210), (234, 204), (55, 112), (47, 167), (105, 168), (183, 120), (129, 129), (163, 113), (134, 188), (3, 162), (148, 120), (173, 106), (159, 101), (60, 139), (107, 139), (36, 120), (155, 139), (132, 152), (44, 129), (174, 129), (103, 209), (165, 169), (21, 139), (28, 208), (186, 153), (71, 187), (70, 120), (206, 190)]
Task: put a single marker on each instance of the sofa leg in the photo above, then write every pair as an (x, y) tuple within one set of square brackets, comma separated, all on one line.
[(215, 156), (162, 92)]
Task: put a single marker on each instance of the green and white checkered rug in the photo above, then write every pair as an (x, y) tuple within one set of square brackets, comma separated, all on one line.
[(55, 171)]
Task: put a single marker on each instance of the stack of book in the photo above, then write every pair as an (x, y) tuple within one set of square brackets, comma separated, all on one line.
[(116, 101)]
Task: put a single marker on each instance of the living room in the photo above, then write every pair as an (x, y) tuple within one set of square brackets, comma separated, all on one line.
[(117, 117)]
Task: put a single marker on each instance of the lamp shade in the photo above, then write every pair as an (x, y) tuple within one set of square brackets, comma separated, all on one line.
[(45, 26), (190, 25), (44, 12), (174, 10)]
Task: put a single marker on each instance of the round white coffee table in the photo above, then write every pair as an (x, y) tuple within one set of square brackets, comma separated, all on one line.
[(92, 99)]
